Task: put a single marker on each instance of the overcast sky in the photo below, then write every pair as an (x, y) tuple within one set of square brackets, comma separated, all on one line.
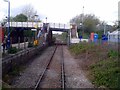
[(63, 10)]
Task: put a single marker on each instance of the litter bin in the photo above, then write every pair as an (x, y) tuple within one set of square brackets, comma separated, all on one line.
[(95, 37)]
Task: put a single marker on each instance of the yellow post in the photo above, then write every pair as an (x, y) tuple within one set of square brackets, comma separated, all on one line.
[(35, 42)]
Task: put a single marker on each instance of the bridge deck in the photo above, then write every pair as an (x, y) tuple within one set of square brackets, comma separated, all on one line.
[(59, 26), (38, 24), (25, 24)]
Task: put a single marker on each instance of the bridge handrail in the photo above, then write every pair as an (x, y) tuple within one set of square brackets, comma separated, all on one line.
[(59, 25), (37, 24), (25, 24)]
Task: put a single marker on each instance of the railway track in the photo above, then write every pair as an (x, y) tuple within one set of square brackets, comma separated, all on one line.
[(63, 71), (47, 66)]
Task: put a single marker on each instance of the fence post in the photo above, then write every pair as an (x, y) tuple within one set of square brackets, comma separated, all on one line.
[(54, 25), (24, 42), (18, 42), (59, 25), (64, 26)]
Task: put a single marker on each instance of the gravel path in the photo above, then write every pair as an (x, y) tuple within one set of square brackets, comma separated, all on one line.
[(31, 74), (74, 76), (52, 77)]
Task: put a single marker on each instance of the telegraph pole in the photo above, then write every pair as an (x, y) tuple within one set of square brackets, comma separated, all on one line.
[(46, 20), (82, 20), (8, 37), (104, 28), (119, 14)]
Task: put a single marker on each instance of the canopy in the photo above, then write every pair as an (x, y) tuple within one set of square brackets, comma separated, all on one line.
[(116, 32)]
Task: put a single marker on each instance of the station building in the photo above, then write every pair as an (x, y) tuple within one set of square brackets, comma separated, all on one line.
[(114, 36)]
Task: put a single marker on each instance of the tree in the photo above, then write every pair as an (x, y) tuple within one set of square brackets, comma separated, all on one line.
[(29, 11), (116, 25), (20, 18), (88, 21)]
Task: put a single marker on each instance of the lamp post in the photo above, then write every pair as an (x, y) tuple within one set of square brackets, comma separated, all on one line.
[(36, 16), (104, 28), (118, 24), (36, 20), (8, 31), (81, 35), (82, 22), (46, 20)]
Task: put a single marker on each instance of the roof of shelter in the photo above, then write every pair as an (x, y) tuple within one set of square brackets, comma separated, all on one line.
[(116, 32)]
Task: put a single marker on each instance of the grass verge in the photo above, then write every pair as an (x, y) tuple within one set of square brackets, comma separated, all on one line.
[(102, 65)]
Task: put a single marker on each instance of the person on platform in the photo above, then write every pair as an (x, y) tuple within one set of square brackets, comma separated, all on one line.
[(4, 43)]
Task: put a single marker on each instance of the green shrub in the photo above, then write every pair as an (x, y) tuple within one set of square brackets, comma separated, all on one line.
[(106, 73), (12, 50), (30, 44), (15, 72), (81, 48), (112, 53)]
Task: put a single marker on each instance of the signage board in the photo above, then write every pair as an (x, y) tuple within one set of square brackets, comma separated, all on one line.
[(33, 29)]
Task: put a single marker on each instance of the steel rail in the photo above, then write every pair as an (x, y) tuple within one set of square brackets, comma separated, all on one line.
[(41, 76), (63, 71)]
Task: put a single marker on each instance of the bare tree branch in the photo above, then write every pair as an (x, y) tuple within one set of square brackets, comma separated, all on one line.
[(29, 11)]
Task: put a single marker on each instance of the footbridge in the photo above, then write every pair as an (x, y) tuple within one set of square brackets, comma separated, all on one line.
[(45, 29), (54, 26)]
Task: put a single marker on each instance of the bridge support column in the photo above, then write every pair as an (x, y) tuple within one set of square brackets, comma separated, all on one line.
[(68, 39), (49, 37)]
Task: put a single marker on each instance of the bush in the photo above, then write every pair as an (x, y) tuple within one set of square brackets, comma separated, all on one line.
[(12, 50), (30, 44), (81, 48), (112, 54), (102, 63), (107, 73)]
